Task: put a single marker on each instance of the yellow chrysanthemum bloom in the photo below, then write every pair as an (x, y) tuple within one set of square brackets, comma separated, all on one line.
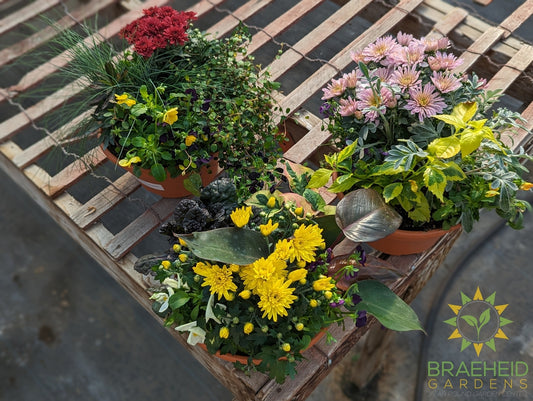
[(276, 297), (165, 264), (271, 202), (491, 193), (182, 242), (307, 239), (125, 99), (268, 228), (190, 140), (183, 257), (323, 284), (219, 279), (170, 116), (223, 332), (283, 249), (526, 186), (129, 162), (259, 273), (313, 303), (241, 216), (297, 275), (328, 294), (248, 328), (176, 248)]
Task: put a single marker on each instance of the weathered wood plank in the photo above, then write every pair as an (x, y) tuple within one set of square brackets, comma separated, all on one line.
[(24, 14), (32, 42), (231, 21), (43, 146), (512, 69), (517, 18), (448, 23), (138, 229), (521, 137), (105, 200), (313, 39), (282, 23), (74, 172), (479, 47)]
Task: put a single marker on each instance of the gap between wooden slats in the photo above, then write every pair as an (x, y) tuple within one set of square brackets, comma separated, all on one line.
[(24, 14), (32, 42), (74, 172), (105, 200), (282, 23), (231, 21), (305, 90), (314, 38), (138, 229)]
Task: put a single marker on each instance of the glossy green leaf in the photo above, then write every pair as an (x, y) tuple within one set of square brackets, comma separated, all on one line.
[(320, 178), (158, 172), (381, 302), (240, 246)]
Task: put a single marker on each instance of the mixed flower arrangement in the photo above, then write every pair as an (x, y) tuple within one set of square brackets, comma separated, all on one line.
[(262, 287), (177, 99), (422, 136)]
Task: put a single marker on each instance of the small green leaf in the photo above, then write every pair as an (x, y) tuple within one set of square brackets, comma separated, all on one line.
[(320, 178), (158, 172), (382, 303), (178, 299), (471, 320), (240, 246), (445, 147), (193, 184), (435, 180), (391, 191)]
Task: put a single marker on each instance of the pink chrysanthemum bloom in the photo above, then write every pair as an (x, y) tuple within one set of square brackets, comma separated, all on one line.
[(379, 50), (425, 102), (350, 80), (411, 55), (348, 107), (335, 88), (444, 61), (368, 99), (357, 56), (406, 77), (445, 82), (384, 74), (404, 38)]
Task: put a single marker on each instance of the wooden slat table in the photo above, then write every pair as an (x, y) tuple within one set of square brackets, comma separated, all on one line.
[(493, 51)]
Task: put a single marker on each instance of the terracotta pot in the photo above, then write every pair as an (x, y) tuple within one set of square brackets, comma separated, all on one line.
[(244, 359), (404, 242), (171, 187)]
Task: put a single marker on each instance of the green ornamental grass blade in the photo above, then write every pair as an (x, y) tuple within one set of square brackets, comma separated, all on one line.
[(391, 311), (240, 246)]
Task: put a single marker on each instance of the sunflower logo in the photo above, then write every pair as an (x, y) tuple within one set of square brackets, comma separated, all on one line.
[(478, 321)]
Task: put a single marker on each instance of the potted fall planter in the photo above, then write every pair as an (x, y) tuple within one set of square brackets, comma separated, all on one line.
[(423, 137), (258, 289), (178, 101)]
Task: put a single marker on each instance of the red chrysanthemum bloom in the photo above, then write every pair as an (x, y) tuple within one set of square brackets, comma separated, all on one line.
[(158, 28)]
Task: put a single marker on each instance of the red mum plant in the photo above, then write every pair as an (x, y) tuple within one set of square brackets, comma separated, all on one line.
[(158, 28)]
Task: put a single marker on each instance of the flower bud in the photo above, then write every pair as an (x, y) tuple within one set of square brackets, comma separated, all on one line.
[(286, 347), (224, 332)]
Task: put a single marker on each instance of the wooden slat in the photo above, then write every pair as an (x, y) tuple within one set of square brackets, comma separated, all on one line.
[(512, 69), (448, 23), (231, 21), (24, 14), (10, 127), (282, 23), (32, 42), (138, 229), (314, 38), (43, 146), (521, 137), (517, 18), (74, 172), (105, 200), (312, 84)]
